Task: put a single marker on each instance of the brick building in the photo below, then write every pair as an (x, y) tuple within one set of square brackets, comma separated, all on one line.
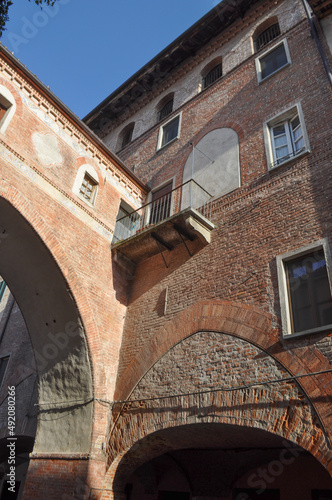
[(170, 255)]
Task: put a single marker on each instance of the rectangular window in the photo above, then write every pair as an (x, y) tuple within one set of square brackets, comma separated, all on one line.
[(305, 293), (169, 132), (88, 188), (286, 136), (272, 61)]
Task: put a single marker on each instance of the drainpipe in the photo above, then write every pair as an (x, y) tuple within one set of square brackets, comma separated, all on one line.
[(315, 37)]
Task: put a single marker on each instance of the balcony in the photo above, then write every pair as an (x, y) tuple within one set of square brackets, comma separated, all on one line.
[(181, 215)]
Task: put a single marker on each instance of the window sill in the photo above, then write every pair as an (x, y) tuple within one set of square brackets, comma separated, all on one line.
[(262, 80), (321, 329), (167, 144), (288, 160), (87, 202)]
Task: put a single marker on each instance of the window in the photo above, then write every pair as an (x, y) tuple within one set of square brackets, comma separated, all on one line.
[(169, 132), (161, 204), (266, 36), (286, 136), (127, 222), (125, 136), (165, 110), (86, 184), (305, 293), (272, 61), (7, 108), (88, 188), (3, 366), (2, 288), (212, 75)]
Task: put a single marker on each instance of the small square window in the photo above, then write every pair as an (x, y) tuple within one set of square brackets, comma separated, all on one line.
[(272, 61), (88, 188), (169, 132), (286, 137), (305, 293)]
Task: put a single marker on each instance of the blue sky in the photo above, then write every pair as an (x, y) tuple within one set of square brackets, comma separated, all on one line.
[(84, 49)]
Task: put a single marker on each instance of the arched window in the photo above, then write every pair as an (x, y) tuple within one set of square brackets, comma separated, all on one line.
[(211, 72), (125, 136), (165, 107), (266, 32)]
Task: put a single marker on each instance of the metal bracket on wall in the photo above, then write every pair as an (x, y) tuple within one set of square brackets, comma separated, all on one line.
[(160, 242)]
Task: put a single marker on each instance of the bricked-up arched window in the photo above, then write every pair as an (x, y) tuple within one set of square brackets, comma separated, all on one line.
[(212, 72), (266, 32)]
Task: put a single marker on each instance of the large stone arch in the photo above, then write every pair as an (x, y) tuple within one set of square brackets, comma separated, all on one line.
[(54, 323), (290, 410)]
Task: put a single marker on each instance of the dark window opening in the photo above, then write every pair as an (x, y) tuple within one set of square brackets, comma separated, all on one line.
[(309, 292), (267, 36), (212, 75), (127, 138), (165, 110)]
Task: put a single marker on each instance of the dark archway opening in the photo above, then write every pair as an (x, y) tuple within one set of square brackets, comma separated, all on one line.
[(222, 461)]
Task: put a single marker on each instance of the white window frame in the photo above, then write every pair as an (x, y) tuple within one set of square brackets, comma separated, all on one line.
[(265, 53), (90, 171), (161, 131), (286, 117), (7, 99), (283, 285)]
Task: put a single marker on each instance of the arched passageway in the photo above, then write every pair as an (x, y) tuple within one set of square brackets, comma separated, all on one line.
[(56, 332), (220, 461)]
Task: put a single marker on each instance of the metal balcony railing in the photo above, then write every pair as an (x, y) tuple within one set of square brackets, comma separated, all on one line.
[(187, 195)]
